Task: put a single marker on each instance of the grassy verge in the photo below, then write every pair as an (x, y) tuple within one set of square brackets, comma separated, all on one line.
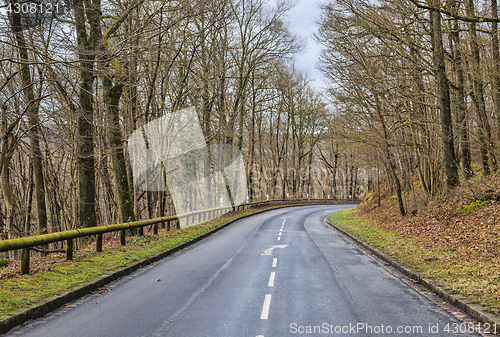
[(21, 291), (471, 275)]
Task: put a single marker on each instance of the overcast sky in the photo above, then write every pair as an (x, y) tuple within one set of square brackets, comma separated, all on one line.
[(303, 18)]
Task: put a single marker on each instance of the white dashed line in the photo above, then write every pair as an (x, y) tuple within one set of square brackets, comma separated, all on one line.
[(275, 262), (265, 308), (271, 279), (279, 238)]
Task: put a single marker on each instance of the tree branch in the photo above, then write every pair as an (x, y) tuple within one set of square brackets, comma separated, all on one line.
[(117, 24), (456, 16)]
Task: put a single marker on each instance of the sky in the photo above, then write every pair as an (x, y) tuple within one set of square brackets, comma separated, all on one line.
[(302, 22)]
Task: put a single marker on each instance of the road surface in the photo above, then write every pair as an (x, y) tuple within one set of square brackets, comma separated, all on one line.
[(279, 273)]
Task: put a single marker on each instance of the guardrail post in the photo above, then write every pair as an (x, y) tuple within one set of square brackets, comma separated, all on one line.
[(155, 228), (141, 231), (123, 237), (25, 261), (178, 225), (168, 226), (69, 249), (98, 243)]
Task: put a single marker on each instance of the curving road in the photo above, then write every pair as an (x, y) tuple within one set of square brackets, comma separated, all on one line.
[(279, 273)]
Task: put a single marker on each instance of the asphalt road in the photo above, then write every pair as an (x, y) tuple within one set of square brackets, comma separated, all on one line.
[(279, 273)]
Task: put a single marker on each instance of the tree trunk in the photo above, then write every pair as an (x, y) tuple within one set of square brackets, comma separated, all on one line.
[(112, 95), (450, 165), (389, 157), (477, 81), (251, 144), (334, 176), (461, 103), (496, 65), (85, 139), (33, 123)]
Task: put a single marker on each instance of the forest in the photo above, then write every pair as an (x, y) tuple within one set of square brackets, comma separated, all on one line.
[(417, 83), (413, 101)]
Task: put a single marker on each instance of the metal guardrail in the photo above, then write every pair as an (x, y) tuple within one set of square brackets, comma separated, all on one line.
[(25, 243)]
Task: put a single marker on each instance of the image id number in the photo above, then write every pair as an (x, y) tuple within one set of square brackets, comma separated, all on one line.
[(33, 8), (462, 328)]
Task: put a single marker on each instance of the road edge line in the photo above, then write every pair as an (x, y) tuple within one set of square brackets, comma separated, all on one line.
[(460, 301)]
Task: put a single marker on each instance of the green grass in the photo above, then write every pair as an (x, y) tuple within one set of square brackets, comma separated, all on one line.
[(475, 277), (471, 208), (26, 290)]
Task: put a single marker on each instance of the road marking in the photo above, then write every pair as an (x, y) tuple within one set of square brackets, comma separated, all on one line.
[(271, 279), (279, 238), (269, 251), (275, 262), (265, 308)]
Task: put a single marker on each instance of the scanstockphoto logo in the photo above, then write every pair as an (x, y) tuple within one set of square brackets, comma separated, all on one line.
[(23, 14), (171, 154)]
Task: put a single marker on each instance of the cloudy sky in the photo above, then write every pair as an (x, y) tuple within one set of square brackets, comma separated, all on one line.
[(302, 20)]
